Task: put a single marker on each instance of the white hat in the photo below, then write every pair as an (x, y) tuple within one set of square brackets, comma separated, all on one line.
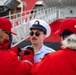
[(40, 24)]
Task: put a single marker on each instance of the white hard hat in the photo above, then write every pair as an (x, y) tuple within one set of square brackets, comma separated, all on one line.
[(40, 24)]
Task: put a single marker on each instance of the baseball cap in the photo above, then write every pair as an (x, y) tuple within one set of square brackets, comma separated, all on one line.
[(6, 25), (68, 24), (41, 25)]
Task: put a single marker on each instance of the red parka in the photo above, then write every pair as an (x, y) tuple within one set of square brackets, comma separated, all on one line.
[(62, 62), (9, 63)]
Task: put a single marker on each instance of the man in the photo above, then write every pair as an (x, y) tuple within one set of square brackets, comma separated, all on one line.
[(62, 62), (9, 62), (39, 30)]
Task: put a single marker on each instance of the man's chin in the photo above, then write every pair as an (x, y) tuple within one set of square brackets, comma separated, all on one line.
[(33, 43)]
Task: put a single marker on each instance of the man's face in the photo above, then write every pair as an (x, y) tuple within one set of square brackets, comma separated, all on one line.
[(3, 36), (37, 36), (6, 35)]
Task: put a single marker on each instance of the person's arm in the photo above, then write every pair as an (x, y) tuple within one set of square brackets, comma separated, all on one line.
[(17, 50), (23, 66)]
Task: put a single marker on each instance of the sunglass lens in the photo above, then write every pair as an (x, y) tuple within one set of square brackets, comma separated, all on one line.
[(37, 33), (31, 33)]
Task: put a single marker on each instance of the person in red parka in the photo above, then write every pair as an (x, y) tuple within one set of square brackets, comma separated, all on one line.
[(61, 62), (9, 62)]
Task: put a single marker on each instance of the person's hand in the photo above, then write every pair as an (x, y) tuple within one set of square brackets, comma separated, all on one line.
[(28, 55), (28, 51)]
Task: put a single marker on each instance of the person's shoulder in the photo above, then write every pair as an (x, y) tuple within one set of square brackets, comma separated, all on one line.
[(60, 53), (24, 48), (49, 49)]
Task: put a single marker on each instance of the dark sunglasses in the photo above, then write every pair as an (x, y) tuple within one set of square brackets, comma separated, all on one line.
[(8, 33), (36, 33)]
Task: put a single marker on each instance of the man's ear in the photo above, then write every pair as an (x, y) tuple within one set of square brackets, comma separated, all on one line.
[(44, 36)]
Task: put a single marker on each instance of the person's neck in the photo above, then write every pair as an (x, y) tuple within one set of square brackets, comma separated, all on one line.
[(37, 47)]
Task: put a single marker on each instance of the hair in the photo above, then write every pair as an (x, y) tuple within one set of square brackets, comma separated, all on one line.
[(66, 33)]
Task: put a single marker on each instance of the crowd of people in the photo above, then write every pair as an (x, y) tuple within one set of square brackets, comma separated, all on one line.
[(38, 59)]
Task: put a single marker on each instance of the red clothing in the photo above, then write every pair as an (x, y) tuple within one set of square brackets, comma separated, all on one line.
[(9, 63), (62, 62), (14, 49)]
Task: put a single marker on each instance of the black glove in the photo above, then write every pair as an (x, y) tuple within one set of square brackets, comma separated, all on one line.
[(28, 51), (19, 49)]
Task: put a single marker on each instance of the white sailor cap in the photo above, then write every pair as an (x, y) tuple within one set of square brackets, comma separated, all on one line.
[(41, 25)]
